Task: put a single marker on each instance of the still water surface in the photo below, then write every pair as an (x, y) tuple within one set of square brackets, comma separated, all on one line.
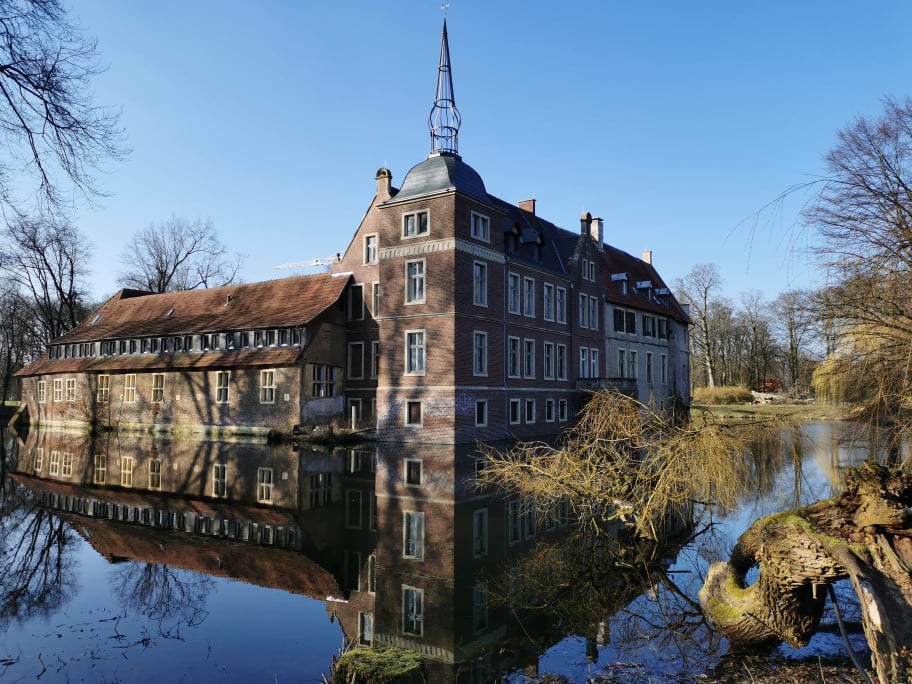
[(136, 559)]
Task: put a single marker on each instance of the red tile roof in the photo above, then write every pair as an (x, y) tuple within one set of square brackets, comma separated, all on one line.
[(271, 303), (284, 302)]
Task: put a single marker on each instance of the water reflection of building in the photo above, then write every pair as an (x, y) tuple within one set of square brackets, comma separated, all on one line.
[(399, 543)]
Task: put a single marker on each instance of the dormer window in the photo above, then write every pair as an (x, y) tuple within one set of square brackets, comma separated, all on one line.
[(415, 223), (620, 281)]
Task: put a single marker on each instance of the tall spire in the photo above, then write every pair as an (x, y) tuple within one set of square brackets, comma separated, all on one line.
[(444, 118)]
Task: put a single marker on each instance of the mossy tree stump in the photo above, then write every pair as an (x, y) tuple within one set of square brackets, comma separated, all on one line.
[(864, 534)]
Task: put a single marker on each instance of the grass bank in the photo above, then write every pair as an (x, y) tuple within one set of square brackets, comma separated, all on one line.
[(800, 411)]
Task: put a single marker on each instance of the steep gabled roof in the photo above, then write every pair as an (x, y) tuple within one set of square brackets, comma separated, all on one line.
[(613, 260), (272, 303)]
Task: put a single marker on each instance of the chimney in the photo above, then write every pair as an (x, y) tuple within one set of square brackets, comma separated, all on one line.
[(597, 231), (384, 182), (585, 221), (528, 205), (647, 256)]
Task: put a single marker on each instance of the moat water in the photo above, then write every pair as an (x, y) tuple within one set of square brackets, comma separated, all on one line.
[(137, 559)]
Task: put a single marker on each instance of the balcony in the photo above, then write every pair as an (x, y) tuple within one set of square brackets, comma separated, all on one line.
[(626, 386)]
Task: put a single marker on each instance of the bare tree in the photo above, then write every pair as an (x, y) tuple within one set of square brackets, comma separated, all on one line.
[(177, 255), (696, 289), (795, 320), (863, 215), (48, 259), (51, 131)]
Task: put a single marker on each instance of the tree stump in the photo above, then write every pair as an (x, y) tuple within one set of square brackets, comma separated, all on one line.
[(864, 534)]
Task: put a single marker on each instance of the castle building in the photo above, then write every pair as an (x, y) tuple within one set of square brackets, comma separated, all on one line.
[(452, 316), (471, 318)]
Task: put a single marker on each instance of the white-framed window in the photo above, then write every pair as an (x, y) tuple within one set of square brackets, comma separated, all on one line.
[(324, 381), (649, 325), (592, 271), (413, 535), (71, 389), (479, 607), (513, 293), (415, 351), (530, 411), (530, 520), (529, 358), (355, 360), (481, 227), (583, 311), (126, 471), (267, 387), (664, 369), (220, 480), (562, 410), (593, 363), (366, 628), (100, 471), (103, 390), (375, 359), (375, 299), (413, 414), (370, 249), (593, 313), (353, 509), (480, 533), (155, 473), (513, 357), (416, 223), (548, 302), (632, 365), (66, 468), (54, 464), (480, 283), (622, 363), (548, 361), (481, 413), (561, 362), (42, 391), (265, 478), (412, 611), (529, 297), (515, 411), (560, 305), (649, 370), (355, 308), (479, 353), (584, 362), (129, 388), (585, 269), (222, 387), (514, 521), (414, 281), (39, 459), (549, 410), (158, 388), (413, 467), (372, 574)]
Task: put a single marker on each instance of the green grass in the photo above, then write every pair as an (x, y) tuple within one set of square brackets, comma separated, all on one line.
[(784, 410)]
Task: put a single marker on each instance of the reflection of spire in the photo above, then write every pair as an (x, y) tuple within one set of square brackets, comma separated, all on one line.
[(444, 118)]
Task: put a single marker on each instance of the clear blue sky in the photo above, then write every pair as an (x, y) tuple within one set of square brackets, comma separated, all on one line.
[(674, 121)]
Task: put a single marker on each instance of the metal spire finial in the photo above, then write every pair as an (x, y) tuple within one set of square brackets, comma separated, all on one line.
[(444, 119)]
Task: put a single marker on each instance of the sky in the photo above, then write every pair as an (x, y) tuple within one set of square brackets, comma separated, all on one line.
[(678, 123)]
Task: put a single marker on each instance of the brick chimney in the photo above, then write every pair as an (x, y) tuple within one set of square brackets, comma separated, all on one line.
[(647, 256), (585, 221), (597, 231), (528, 205), (384, 182)]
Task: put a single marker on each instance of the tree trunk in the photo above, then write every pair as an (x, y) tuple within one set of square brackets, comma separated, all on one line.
[(865, 534)]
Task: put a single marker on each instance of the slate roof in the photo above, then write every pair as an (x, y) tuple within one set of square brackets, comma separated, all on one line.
[(283, 302), (441, 173)]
